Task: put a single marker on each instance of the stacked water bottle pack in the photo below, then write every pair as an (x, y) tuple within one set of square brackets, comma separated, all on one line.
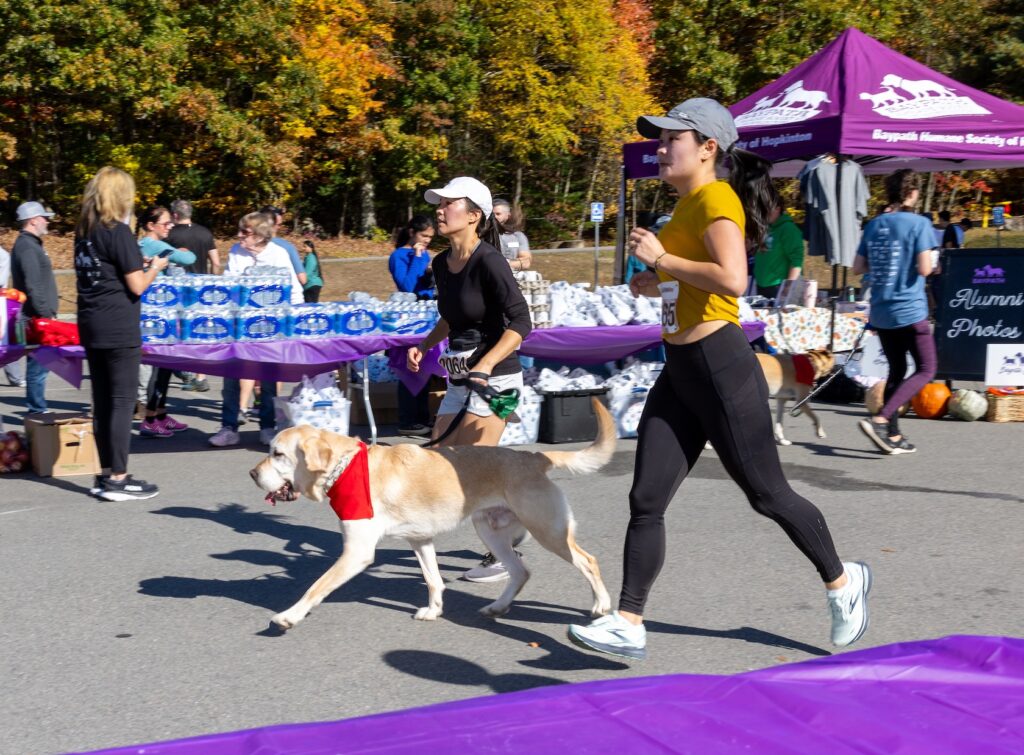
[(221, 309), (536, 291)]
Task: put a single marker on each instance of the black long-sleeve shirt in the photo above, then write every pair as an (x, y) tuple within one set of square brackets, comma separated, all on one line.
[(32, 274), (479, 303)]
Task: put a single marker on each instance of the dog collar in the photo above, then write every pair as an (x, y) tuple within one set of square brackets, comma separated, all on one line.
[(348, 487)]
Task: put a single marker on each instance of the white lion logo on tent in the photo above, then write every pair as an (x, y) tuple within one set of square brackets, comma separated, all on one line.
[(922, 99), (794, 104)]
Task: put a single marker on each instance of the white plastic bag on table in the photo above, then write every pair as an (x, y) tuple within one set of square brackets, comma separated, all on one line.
[(316, 401)]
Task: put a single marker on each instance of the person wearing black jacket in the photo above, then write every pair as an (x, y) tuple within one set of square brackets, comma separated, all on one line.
[(485, 319), (112, 276), (32, 274)]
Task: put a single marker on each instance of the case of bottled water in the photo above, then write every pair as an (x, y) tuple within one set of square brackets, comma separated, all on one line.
[(264, 291), (312, 321), (262, 323), (207, 325), (211, 291), (166, 291), (407, 318), (159, 324), (360, 318)]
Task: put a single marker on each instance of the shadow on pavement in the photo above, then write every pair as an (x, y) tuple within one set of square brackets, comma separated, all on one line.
[(746, 634), (450, 669)]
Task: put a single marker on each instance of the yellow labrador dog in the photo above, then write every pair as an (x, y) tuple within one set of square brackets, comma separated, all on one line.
[(418, 493), (791, 376)]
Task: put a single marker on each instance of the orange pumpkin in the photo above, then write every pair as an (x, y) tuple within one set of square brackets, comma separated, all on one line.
[(931, 401)]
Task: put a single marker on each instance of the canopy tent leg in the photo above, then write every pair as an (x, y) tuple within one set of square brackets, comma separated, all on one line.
[(619, 274)]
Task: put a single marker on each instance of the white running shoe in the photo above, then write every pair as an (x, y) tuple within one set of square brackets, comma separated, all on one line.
[(488, 570), (612, 634), (224, 437), (849, 605)]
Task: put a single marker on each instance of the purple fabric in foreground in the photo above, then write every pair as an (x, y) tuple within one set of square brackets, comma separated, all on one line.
[(953, 695)]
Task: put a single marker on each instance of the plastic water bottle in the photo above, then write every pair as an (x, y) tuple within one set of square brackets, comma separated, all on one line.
[(262, 323), (312, 321), (159, 325), (207, 325)]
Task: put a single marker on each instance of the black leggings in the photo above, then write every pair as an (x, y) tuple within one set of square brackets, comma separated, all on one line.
[(159, 382), (711, 390), (115, 378)]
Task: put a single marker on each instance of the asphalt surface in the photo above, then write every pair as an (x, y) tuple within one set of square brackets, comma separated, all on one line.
[(134, 622)]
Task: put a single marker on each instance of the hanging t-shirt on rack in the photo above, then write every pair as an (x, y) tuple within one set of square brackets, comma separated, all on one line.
[(833, 228)]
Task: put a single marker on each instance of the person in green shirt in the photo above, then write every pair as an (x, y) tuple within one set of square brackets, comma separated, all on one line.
[(314, 278), (783, 255)]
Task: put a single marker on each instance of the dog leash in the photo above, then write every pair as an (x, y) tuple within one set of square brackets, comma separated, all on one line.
[(502, 403), (835, 373)]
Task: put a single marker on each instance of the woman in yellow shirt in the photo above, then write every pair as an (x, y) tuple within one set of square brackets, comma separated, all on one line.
[(711, 387)]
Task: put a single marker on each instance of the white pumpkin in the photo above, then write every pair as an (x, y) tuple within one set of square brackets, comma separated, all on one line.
[(967, 405)]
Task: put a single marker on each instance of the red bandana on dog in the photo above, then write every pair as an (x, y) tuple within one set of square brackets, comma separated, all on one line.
[(350, 494), (803, 370)]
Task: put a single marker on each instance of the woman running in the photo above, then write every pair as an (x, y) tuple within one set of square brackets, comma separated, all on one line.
[(711, 387)]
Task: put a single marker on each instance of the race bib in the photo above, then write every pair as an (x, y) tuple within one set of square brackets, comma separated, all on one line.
[(669, 297), (456, 363)]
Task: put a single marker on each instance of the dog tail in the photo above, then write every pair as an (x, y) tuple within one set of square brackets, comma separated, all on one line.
[(594, 456)]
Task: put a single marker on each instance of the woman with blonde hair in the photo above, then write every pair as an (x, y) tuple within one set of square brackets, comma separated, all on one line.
[(112, 275)]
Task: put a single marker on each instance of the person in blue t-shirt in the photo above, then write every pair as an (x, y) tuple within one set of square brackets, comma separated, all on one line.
[(897, 249), (409, 266), (276, 215)]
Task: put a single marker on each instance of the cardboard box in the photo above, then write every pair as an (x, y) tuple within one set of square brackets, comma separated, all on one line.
[(383, 401), (62, 444)]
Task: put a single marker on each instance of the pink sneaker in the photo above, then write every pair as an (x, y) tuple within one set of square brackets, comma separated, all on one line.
[(154, 428), (170, 423)]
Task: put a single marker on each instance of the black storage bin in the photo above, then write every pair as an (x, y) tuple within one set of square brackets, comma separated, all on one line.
[(568, 416)]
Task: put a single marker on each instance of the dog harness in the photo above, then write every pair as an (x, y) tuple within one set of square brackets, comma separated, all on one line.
[(349, 492), (803, 370)]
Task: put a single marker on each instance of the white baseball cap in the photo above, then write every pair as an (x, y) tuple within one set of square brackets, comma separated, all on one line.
[(463, 187), (29, 210)]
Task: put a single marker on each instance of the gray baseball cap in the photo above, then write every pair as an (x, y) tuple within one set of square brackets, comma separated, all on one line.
[(700, 114), (29, 210)]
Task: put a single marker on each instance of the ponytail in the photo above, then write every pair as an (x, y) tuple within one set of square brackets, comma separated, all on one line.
[(749, 176), (488, 229)]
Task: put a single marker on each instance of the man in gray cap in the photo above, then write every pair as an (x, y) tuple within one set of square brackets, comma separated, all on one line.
[(32, 273)]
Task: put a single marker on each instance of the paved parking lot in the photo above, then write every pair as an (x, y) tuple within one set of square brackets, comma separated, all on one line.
[(140, 621)]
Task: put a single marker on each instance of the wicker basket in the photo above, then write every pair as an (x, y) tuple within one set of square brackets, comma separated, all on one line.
[(1005, 408)]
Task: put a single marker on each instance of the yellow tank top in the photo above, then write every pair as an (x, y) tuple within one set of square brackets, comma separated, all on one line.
[(685, 305)]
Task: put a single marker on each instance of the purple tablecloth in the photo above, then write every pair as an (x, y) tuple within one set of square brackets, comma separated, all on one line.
[(290, 360), (952, 695)]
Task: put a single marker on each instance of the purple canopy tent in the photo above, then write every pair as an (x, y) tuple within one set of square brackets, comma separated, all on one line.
[(860, 99)]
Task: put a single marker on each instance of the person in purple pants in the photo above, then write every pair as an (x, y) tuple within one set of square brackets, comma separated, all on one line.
[(897, 249)]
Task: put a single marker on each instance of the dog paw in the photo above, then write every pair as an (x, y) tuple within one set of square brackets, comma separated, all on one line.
[(284, 620), (493, 610), (427, 613), (783, 442), (600, 609), (821, 434)]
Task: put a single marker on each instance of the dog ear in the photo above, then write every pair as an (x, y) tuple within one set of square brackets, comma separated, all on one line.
[(317, 453)]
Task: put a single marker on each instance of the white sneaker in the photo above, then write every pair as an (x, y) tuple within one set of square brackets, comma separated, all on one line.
[(224, 437), (267, 435), (488, 570), (612, 634), (849, 604)]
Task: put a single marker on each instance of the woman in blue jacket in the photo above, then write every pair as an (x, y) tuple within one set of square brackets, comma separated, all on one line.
[(409, 265)]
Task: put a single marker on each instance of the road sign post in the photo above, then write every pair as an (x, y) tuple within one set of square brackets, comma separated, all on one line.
[(596, 217)]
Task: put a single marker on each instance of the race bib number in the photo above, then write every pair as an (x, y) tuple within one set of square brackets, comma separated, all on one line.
[(456, 363), (669, 297)]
